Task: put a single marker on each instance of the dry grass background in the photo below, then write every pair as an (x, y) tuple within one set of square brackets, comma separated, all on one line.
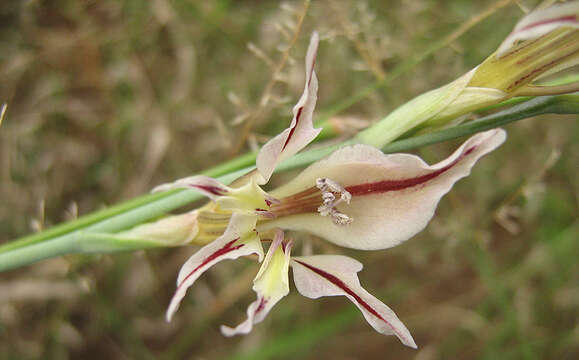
[(110, 98)]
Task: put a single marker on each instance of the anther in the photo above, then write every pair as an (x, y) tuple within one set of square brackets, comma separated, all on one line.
[(341, 219), (329, 190)]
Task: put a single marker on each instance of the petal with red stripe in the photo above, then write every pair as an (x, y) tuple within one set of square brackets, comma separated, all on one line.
[(239, 239), (393, 197), (335, 275), (271, 285), (301, 130), (204, 184), (541, 22)]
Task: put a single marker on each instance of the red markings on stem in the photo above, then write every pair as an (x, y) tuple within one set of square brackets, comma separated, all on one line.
[(227, 248), (339, 283), (394, 185)]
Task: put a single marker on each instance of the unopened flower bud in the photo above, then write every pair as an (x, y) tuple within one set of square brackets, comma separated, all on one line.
[(544, 42)]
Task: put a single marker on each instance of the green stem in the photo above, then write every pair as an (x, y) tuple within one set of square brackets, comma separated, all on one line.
[(563, 104), (72, 237)]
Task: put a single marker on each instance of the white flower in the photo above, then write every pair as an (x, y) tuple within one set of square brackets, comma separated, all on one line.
[(358, 197)]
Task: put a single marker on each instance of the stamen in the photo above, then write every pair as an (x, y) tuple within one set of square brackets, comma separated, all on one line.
[(330, 189)]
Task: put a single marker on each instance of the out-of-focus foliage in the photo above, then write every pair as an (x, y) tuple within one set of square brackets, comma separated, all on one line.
[(110, 98)]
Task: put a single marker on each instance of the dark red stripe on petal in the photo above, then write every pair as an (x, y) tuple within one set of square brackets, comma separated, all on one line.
[(211, 189), (261, 305), (395, 185), (339, 283), (293, 129), (299, 113), (563, 19), (227, 248)]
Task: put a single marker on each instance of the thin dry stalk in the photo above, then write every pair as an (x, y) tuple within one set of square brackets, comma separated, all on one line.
[(464, 27), (361, 47)]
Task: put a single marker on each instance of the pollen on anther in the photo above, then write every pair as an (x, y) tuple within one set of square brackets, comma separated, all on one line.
[(330, 189)]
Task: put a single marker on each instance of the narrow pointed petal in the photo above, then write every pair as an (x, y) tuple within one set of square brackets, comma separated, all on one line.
[(245, 327), (247, 198), (393, 197), (204, 184), (335, 275), (301, 130), (541, 22), (239, 239), (270, 284)]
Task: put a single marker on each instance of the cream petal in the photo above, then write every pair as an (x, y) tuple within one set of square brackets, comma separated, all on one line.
[(393, 196), (335, 275), (271, 285), (541, 22), (239, 239), (204, 184), (301, 130), (247, 198), (245, 327)]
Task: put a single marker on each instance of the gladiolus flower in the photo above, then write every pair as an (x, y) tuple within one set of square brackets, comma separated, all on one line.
[(357, 197)]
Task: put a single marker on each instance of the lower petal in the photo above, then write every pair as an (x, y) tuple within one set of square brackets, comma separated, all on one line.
[(333, 275), (238, 240), (271, 285)]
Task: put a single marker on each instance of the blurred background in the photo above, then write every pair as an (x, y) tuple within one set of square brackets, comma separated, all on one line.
[(107, 99)]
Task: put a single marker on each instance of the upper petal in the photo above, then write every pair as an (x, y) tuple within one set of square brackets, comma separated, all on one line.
[(204, 184), (393, 196), (301, 130), (238, 240), (541, 22), (334, 275), (246, 198)]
